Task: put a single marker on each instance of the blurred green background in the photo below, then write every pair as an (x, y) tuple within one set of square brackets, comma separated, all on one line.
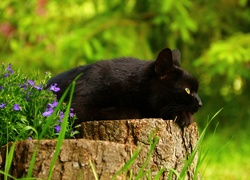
[(213, 36)]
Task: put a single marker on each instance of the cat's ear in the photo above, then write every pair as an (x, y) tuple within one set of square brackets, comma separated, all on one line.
[(176, 57), (164, 62)]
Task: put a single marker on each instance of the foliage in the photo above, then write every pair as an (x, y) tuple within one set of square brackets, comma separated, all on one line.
[(213, 37), (25, 107), (226, 78), (62, 35), (61, 136)]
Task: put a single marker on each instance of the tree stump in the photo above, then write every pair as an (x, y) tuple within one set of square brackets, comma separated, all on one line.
[(109, 145)]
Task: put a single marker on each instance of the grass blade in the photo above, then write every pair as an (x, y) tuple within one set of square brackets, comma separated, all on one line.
[(171, 172), (62, 131), (47, 124), (199, 142), (153, 142), (9, 158), (94, 170), (159, 173), (128, 163), (6, 175), (63, 128)]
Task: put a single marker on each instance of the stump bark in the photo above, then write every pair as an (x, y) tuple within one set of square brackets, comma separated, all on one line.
[(109, 145)]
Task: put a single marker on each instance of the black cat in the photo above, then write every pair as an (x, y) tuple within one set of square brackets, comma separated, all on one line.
[(129, 88)]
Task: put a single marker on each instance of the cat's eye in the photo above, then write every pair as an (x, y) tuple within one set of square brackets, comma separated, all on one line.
[(187, 90)]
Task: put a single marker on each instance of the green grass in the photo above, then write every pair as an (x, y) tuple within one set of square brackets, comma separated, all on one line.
[(228, 155)]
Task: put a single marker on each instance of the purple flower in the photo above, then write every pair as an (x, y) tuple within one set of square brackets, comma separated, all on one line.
[(61, 115), (38, 87), (6, 75), (2, 105), (54, 88), (1, 87), (9, 68), (29, 138), (71, 114), (54, 104), (48, 112), (57, 128), (24, 86), (32, 83), (28, 96), (16, 107)]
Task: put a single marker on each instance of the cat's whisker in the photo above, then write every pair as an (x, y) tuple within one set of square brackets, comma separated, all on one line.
[(176, 117), (168, 110)]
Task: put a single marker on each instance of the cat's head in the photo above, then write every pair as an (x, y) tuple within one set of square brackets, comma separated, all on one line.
[(175, 90)]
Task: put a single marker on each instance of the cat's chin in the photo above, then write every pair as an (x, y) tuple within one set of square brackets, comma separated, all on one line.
[(184, 118)]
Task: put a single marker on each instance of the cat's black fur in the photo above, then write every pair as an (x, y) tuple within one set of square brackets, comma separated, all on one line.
[(129, 88)]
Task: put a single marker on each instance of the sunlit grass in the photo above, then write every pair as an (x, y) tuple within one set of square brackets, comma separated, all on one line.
[(228, 155)]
